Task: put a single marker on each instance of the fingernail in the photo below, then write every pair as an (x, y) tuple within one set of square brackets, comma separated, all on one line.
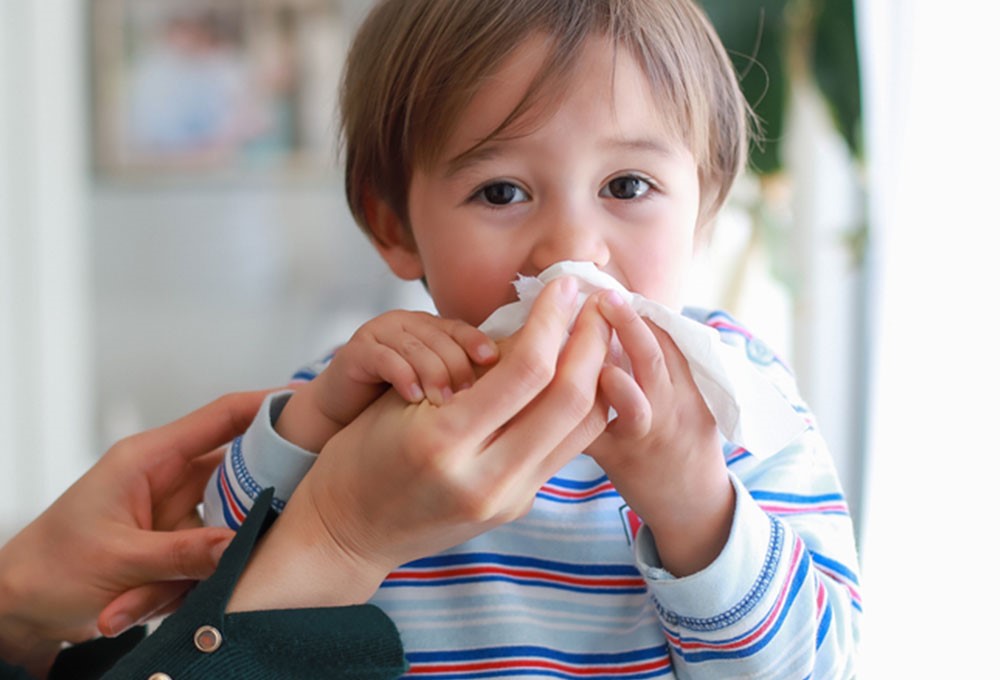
[(485, 352), (567, 290), (446, 394), (118, 624), (416, 394), (218, 549), (614, 298)]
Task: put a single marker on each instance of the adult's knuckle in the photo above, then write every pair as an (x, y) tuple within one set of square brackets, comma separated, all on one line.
[(574, 399), (534, 370)]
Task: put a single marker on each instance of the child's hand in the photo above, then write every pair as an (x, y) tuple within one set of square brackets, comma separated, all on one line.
[(422, 356), (662, 451)]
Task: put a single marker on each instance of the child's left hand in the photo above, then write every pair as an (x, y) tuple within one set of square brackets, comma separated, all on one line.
[(662, 451)]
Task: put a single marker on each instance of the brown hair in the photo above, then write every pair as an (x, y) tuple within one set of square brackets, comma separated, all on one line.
[(414, 66)]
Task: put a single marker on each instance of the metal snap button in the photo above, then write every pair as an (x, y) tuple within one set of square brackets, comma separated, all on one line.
[(207, 639)]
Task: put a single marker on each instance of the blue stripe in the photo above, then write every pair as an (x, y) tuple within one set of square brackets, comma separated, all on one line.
[(795, 498), (656, 673), (580, 658), (742, 456), (506, 578), (577, 485), (246, 481), (833, 565), (486, 559), (824, 625)]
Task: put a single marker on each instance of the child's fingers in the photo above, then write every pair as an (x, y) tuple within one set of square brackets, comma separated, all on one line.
[(439, 337), (388, 365), (637, 339), (677, 365), (477, 345), (424, 355), (633, 412)]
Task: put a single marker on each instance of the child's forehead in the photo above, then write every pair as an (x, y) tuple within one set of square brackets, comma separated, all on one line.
[(525, 89)]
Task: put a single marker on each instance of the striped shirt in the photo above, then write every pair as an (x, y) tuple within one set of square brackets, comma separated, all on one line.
[(574, 589)]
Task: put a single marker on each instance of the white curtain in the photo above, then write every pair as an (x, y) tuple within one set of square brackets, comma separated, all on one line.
[(931, 531)]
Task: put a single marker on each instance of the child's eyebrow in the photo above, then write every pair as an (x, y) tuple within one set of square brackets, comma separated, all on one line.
[(648, 144), (486, 152), (470, 157)]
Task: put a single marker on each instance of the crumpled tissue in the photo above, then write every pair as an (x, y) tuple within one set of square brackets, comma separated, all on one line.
[(748, 408)]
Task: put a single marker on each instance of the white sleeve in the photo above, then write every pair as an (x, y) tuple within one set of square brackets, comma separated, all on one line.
[(257, 460)]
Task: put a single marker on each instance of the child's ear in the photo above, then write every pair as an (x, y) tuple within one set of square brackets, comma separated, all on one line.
[(392, 238)]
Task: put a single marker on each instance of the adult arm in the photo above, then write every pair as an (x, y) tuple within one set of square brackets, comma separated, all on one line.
[(467, 466), (125, 538)]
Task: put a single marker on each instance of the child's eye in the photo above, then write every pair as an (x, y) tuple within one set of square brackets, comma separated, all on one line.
[(625, 188), (501, 193)]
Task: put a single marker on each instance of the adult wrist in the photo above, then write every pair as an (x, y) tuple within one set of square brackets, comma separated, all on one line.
[(23, 639), (296, 564)]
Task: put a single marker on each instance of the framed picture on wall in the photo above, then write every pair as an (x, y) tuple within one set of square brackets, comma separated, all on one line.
[(215, 87)]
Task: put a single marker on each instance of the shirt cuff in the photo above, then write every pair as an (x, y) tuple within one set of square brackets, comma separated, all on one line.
[(264, 459), (729, 587)]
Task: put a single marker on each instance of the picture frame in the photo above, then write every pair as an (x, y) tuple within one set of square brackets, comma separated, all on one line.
[(215, 88)]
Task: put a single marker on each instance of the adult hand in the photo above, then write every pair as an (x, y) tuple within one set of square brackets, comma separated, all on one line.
[(125, 538), (404, 481)]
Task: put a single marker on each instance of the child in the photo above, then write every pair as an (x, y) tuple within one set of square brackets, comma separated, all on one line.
[(494, 138)]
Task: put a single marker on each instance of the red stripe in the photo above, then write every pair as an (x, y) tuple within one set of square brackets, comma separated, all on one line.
[(555, 491), (230, 500), (796, 509), (820, 598), (619, 582), (855, 595), (539, 664)]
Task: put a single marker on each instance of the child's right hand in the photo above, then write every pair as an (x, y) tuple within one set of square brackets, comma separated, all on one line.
[(420, 355)]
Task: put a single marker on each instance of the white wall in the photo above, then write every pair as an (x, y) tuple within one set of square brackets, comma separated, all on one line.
[(46, 429)]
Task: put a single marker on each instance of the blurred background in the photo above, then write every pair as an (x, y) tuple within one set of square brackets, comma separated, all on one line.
[(172, 227)]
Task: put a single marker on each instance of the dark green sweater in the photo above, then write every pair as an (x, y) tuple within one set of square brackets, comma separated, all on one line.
[(333, 642)]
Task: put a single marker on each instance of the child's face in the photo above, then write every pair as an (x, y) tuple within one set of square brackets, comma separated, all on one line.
[(601, 180)]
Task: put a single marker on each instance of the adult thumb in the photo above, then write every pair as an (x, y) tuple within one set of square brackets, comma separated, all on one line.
[(183, 554)]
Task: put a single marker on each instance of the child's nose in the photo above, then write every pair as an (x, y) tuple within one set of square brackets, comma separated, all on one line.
[(578, 239)]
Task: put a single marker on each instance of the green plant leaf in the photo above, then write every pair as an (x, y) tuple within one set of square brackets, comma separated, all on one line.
[(835, 66), (754, 34)]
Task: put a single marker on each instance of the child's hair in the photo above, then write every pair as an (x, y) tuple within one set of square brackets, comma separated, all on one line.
[(415, 65)]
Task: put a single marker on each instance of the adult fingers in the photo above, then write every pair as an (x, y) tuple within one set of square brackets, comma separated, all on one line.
[(176, 501), (527, 367), (140, 604), (546, 425), (205, 429), (173, 555)]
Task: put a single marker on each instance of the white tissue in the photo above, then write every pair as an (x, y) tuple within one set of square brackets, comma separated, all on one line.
[(748, 408)]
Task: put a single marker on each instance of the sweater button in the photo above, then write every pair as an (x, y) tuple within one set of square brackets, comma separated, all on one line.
[(160, 676), (207, 639)]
